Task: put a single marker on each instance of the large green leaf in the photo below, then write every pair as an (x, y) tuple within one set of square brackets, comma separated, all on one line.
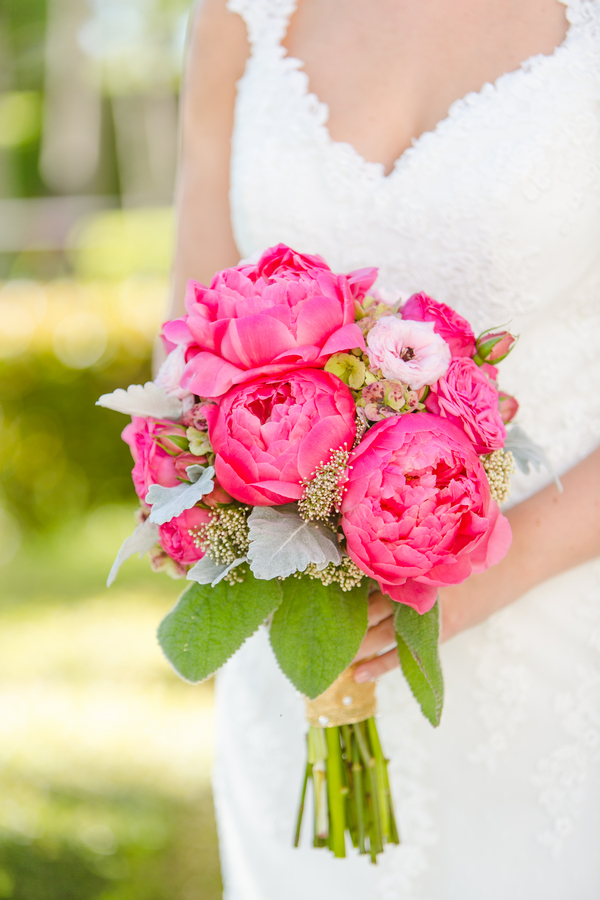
[(317, 631), (418, 641), (207, 625)]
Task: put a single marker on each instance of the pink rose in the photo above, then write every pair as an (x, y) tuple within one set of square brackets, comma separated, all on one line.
[(417, 513), (179, 537), (153, 464), (455, 330), (270, 435), (158, 460), (287, 312), (467, 397), (406, 351)]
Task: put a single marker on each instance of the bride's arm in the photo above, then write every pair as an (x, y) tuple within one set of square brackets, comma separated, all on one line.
[(552, 532), (216, 57)]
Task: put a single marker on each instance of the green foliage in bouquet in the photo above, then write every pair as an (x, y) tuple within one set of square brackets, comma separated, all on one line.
[(317, 630), (209, 624), (418, 641)]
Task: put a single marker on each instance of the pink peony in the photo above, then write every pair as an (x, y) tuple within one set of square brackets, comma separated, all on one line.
[(410, 352), (417, 513), (455, 330), (467, 397), (286, 312), (152, 463), (270, 435), (175, 537)]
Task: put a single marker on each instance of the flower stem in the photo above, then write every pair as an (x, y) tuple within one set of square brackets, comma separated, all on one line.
[(307, 775), (358, 797), (351, 789), (379, 776), (375, 836), (336, 798)]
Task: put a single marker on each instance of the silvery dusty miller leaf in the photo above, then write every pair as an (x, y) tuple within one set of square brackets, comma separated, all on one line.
[(526, 452), (282, 543), (169, 502), (143, 539), (143, 400), (207, 571)]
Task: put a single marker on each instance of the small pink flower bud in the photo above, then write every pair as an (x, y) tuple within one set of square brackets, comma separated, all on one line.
[(495, 346), (508, 406)]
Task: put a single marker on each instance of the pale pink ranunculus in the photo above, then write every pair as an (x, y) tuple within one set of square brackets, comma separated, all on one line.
[(170, 374), (455, 330), (179, 537), (406, 351), (286, 312), (153, 464), (417, 512), (269, 435), (466, 396)]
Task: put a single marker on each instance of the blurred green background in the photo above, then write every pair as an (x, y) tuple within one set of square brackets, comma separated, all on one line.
[(104, 755)]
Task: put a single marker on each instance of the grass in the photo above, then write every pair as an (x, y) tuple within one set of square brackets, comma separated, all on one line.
[(104, 754)]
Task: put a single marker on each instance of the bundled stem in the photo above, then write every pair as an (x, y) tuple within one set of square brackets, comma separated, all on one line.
[(350, 788)]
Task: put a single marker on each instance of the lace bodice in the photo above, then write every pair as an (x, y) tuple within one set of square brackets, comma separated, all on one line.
[(496, 211)]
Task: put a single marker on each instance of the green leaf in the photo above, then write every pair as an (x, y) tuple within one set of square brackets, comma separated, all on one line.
[(418, 641), (317, 631), (207, 625)]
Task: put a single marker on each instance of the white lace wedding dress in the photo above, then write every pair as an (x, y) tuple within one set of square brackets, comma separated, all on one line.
[(496, 212)]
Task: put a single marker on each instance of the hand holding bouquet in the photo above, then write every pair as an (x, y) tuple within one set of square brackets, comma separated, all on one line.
[(305, 442)]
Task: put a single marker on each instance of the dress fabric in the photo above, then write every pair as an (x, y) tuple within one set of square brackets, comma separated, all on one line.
[(497, 213)]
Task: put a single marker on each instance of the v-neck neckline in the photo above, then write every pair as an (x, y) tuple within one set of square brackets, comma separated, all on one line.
[(319, 109)]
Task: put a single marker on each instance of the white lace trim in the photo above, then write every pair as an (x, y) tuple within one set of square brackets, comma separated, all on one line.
[(266, 20)]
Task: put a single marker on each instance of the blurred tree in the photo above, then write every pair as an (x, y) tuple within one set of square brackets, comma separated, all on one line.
[(71, 138)]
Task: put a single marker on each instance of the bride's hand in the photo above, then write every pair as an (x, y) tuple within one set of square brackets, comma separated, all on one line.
[(462, 606), (380, 635)]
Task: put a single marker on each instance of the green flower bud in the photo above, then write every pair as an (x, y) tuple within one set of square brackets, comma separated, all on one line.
[(348, 368)]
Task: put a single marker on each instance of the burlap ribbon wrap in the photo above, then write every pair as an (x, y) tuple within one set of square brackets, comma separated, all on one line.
[(344, 703)]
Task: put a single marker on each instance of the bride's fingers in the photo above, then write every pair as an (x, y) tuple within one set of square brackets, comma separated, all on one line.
[(377, 638), (380, 607), (372, 669)]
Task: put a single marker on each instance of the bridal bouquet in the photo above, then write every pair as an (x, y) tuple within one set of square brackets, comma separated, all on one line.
[(308, 440)]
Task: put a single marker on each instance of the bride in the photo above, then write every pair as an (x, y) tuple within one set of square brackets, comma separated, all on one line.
[(456, 146)]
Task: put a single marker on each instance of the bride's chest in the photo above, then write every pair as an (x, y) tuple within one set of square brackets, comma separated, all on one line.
[(501, 201)]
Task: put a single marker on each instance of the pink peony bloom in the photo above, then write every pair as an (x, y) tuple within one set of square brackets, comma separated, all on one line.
[(152, 463), (175, 537), (455, 330), (467, 397), (406, 351), (288, 311), (417, 513), (270, 435)]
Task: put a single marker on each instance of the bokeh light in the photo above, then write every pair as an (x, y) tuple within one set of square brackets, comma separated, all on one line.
[(104, 754)]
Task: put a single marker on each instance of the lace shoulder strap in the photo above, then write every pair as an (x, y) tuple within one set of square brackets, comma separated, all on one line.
[(266, 20), (580, 12)]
